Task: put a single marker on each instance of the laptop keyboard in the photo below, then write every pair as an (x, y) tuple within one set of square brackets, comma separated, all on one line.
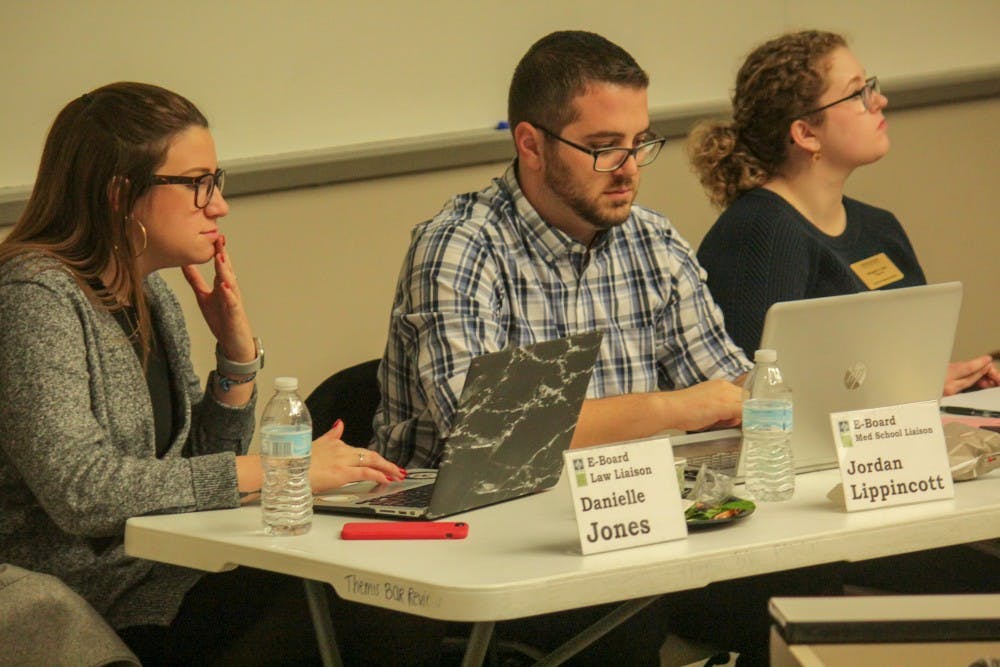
[(716, 460), (418, 496)]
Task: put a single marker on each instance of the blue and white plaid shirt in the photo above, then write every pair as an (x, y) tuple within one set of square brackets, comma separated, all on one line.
[(488, 273)]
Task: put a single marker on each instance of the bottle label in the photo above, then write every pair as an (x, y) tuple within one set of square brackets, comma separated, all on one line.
[(285, 441), (767, 414)]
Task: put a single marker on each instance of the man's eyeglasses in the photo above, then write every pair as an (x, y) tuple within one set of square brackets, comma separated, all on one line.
[(204, 186), (866, 94), (611, 159)]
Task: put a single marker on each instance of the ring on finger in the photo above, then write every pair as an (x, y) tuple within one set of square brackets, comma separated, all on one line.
[(361, 459)]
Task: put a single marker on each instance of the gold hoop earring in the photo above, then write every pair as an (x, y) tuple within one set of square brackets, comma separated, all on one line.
[(145, 239)]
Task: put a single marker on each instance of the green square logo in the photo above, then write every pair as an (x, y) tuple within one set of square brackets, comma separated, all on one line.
[(581, 474), (845, 433)]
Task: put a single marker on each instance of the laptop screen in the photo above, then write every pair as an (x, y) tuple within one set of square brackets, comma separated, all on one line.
[(516, 415), (857, 351)]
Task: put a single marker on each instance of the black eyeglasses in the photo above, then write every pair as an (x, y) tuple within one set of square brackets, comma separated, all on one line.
[(204, 186), (866, 94), (611, 159)]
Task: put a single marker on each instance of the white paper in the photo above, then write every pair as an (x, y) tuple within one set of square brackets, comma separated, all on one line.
[(625, 495), (894, 455)]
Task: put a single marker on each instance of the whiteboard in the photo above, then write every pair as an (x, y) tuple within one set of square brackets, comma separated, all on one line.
[(303, 75)]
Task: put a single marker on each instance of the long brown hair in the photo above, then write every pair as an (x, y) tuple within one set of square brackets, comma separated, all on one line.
[(780, 81), (99, 159)]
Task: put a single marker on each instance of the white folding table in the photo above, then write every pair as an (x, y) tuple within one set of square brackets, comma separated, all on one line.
[(522, 557)]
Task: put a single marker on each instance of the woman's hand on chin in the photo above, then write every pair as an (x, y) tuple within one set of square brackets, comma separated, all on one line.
[(221, 305)]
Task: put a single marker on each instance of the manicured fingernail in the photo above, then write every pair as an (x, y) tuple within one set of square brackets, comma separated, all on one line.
[(339, 422), (225, 285), (402, 471)]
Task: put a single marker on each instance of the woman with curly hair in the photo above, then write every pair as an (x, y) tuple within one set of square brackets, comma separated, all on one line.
[(805, 116)]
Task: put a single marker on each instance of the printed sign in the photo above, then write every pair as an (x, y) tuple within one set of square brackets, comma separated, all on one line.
[(625, 495), (892, 456)]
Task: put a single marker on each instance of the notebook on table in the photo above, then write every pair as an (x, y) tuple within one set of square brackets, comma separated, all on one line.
[(515, 417), (848, 352)]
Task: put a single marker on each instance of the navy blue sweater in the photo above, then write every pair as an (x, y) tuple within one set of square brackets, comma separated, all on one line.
[(761, 250)]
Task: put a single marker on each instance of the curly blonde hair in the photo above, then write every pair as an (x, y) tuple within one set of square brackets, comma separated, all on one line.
[(781, 80)]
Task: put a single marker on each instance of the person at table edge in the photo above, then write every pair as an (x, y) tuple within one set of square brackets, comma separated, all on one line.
[(779, 168), (556, 246)]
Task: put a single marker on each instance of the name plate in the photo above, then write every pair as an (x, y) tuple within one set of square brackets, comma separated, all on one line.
[(892, 456), (625, 495)]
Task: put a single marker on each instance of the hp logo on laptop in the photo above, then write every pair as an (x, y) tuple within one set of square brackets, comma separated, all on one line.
[(855, 375)]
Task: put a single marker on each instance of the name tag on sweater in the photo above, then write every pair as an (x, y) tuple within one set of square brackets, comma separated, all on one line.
[(877, 271)]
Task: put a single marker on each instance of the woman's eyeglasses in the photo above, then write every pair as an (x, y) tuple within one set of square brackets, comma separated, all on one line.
[(204, 186), (866, 94)]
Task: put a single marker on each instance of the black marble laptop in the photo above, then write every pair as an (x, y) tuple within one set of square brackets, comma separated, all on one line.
[(515, 417)]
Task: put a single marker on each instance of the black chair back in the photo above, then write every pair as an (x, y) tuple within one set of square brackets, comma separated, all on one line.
[(351, 394)]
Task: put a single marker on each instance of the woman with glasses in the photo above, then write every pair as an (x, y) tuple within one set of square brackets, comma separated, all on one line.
[(103, 417), (805, 116)]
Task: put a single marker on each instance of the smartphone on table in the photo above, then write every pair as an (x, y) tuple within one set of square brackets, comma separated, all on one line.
[(405, 530)]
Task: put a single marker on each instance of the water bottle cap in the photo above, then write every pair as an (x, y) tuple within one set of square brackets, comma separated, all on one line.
[(286, 384), (766, 356)]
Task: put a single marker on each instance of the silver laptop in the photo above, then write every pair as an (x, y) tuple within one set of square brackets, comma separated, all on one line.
[(848, 352), (515, 417)]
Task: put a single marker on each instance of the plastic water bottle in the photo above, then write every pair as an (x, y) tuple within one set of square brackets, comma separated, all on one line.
[(286, 444), (767, 431)]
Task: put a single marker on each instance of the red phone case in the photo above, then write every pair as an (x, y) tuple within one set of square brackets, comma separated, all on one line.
[(405, 530)]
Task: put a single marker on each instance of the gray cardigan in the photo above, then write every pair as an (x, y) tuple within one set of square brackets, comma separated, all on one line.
[(77, 442), (45, 623)]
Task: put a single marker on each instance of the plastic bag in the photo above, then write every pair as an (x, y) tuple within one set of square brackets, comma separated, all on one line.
[(972, 451), (710, 487)]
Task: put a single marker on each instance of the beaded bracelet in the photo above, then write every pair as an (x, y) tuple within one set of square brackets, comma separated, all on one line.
[(227, 382)]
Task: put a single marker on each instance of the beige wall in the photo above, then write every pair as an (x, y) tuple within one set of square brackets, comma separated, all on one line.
[(941, 179), (317, 74), (318, 266)]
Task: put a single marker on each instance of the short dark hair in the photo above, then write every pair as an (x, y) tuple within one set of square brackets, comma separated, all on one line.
[(559, 67)]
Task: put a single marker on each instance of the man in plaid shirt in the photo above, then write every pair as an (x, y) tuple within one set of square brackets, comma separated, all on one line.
[(553, 247)]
